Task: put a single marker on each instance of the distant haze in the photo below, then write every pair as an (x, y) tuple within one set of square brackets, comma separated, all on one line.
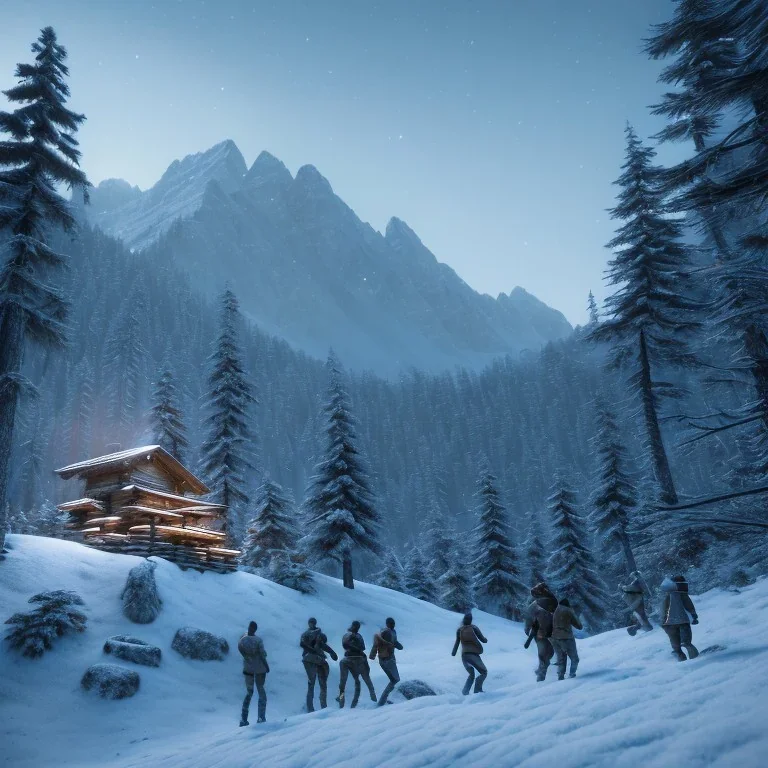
[(493, 128)]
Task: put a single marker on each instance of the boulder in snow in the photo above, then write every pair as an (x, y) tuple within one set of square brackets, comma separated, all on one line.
[(111, 681), (413, 689), (132, 649), (141, 602), (199, 644)]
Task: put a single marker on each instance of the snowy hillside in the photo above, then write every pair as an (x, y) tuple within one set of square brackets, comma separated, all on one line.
[(310, 271), (631, 704)]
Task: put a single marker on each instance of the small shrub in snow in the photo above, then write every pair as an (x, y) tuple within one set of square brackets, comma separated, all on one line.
[(288, 572), (132, 649), (198, 644), (111, 681), (33, 633), (413, 689), (141, 602)]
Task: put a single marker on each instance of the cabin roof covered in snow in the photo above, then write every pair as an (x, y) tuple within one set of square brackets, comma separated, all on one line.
[(131, 458)]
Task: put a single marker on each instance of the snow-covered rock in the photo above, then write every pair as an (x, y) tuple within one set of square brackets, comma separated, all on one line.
[(414, 689), (631, 704), (132, 649), (111, 681), (198, 644), (141, 601)]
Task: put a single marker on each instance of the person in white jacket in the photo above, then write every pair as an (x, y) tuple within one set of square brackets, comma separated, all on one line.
[(678, 613)]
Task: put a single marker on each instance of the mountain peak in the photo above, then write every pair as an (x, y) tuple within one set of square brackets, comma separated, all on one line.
[(268, 170), (310, 178), (397, 229)]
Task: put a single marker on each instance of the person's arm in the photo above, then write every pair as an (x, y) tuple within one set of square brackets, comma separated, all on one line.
[(456, 644), (528, 621), (480, 636), (575, 620), (398, 645), (386, 637), (688, 605), (305, 644), (665, 608), (327, 648), (374, 647)]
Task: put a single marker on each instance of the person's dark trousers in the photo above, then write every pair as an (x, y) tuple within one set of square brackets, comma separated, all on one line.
[(681, 634), (546, 652), (566, 649), (390, 669), (472, 662), (317, 672), (249, 682), (358, 666)]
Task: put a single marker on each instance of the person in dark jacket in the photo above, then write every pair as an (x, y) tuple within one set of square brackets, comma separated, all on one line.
[(470, 638), (564, 620), (356, 662), (678, 613), (634, 591), (255, 669), (539, 620), (314, 646), (384, 645)]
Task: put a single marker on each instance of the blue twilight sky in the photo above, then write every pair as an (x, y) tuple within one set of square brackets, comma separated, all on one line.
[(493, 127)]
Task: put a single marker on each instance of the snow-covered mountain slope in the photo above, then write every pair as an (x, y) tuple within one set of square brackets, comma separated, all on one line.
[(631, 704), (308, 269)]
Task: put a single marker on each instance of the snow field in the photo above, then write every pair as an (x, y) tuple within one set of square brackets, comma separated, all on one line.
[(630, 705)]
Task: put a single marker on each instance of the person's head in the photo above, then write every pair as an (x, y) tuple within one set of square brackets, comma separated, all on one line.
[(540, 590), (354, 626), (467, 620), (566, 602), (252, 627), (312, 622), (390, 622)]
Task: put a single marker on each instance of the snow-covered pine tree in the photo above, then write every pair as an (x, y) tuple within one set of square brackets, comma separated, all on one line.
[(169, 429), (126, 366), (535, 556), (224, 452), (33, 468), (418, 578), (40, 154), (79, 414), (273, 530), (571, 569), (340, 506), (289, 571), (49, 521), (594, 312), (650, 316), (456, 593), (439, 540), (497, 584), (615, 498), (392, 575)]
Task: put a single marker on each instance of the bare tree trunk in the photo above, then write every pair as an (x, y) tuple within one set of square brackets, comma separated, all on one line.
[(756, 346), (11, 351), (661, 468), (629, 555), (346, 569)]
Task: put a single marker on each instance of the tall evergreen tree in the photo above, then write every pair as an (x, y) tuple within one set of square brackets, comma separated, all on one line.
[(418, 578), (229, 399), (40, 155), (340, 504), (497, 584), (392, 575), (535, 557), (439, 536), (79, 424), (615, 498), (456, 593), (170, 431), (273, 529), (594, 312), (650, 315), (571, 568)]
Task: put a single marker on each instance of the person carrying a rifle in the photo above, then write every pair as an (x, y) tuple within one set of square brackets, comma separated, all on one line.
[(538, 626), (314, 646), (470, 638)]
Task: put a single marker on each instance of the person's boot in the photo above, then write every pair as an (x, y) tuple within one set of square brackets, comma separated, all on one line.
[(340, 699), (374, 699), (632, 630), (680, 656), (262, 719), (693, 651), (243, 722)]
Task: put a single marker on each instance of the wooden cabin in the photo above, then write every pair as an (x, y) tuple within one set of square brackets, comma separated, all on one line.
[(143, 501)]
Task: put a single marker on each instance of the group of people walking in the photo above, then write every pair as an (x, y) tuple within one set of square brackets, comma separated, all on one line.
[(549, 622)]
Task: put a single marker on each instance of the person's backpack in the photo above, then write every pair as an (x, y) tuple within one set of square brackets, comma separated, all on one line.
[(380, 647)]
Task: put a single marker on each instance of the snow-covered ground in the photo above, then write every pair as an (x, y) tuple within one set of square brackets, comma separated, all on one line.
[(631, 705)]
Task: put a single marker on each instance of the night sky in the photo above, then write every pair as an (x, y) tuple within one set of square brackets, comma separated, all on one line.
[(494, 129)]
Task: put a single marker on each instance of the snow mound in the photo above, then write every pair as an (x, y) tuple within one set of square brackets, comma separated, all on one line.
[(111, 681), (198, 644), (631, 705)]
